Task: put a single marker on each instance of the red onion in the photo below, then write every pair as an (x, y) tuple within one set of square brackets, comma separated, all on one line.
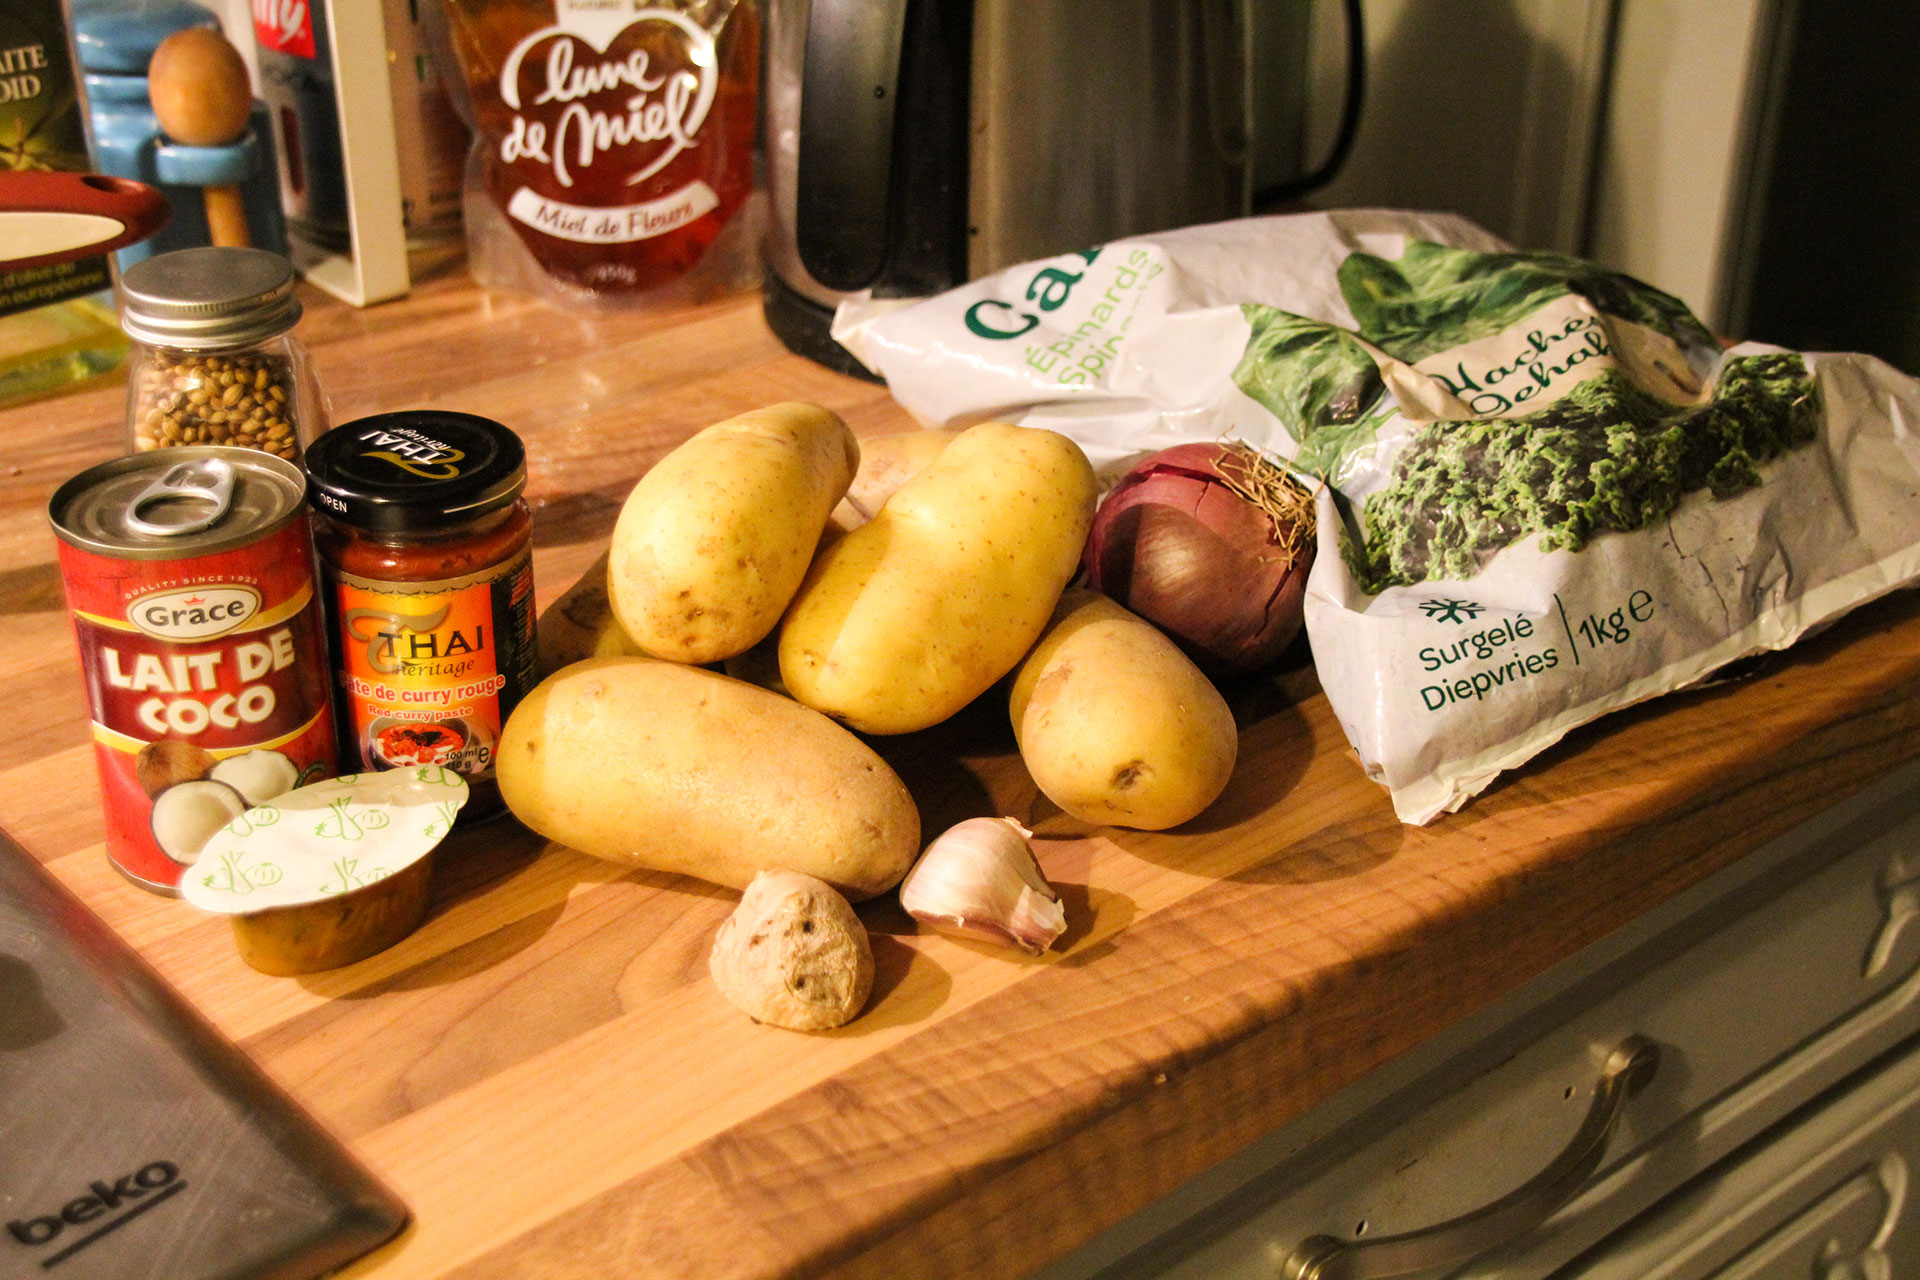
[(1211, 543)]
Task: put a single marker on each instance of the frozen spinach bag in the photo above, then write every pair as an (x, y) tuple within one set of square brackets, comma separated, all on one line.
[(1550, 493)]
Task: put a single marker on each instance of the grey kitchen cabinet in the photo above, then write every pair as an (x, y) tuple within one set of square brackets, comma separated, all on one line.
[(1768, 1127), (1825, 1195)]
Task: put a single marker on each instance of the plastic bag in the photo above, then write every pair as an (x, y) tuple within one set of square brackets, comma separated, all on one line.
[(1551, 493), (612, 160)]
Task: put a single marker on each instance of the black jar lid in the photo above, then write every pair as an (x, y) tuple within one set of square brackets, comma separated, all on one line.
[(415, 471)]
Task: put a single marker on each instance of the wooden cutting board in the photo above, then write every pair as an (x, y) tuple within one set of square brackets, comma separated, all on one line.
[(545, 1073)]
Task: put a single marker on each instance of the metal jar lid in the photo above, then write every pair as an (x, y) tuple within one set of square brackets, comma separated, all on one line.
[(209, 298), (171, 504)]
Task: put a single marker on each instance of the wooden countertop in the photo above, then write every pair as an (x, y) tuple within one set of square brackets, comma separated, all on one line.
[(545, 1073)]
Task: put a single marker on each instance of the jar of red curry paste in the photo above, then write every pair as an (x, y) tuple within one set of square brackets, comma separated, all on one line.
[(426, 562)]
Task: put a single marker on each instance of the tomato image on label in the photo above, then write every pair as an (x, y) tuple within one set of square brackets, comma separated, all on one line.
[(403, 744)]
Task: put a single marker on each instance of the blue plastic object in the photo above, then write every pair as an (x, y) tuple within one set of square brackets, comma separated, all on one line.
[(180, 165), (116, 40)]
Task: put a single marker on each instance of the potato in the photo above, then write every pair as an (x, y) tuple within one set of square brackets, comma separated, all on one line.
[(1115, 724), (653, 764), (580, 624), (916, 613), (886, 463), (715, 538), (759, 665)]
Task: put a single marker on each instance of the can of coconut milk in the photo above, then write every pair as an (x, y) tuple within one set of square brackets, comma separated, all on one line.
[(189, 573)]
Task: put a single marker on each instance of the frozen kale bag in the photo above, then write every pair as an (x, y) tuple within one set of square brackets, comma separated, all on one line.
[(1549, 492)]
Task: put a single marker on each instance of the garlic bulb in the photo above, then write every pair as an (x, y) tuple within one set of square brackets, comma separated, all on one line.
[(978, 879)]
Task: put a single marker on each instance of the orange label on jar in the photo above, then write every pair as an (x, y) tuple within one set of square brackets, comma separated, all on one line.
[(428, 671)]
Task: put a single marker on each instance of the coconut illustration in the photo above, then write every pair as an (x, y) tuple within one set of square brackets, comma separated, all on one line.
[(186, 815), (258, 775), (167, 763)]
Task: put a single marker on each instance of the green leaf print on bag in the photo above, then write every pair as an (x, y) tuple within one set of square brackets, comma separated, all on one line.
[(1434, 298), (1314, 377), (1605, 457)]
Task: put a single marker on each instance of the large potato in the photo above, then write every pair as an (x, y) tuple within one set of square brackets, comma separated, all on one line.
[(715, 538), (1115, 724), (580, 624), (917, 612), (653, 764)]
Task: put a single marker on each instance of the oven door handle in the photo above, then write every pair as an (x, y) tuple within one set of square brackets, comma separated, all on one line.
[(1626, 1072)]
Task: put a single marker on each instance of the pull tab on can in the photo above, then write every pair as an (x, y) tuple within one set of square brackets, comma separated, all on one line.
[(184, 499)]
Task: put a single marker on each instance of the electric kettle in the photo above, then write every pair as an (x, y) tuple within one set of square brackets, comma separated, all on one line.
[(913, 145)]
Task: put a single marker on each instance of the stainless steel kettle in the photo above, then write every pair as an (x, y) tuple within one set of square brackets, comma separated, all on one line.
[(913, 145)]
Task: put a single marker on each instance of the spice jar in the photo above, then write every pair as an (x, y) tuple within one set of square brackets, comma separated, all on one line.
[(426, 565), (214, 360)]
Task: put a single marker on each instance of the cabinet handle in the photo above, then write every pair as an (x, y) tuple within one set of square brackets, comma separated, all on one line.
[(1627, 1070)]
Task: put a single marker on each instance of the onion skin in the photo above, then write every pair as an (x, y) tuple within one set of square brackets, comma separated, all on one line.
[(1175, 543)]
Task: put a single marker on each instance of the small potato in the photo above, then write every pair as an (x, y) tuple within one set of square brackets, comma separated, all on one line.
[(886, 463), (674, 768), (759, 665), (715, 538), (580, 624), (917, 612), (794, 954), (1115, 724)]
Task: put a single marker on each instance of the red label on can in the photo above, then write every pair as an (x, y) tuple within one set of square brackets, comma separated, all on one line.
[(284, 25), (192, 664)]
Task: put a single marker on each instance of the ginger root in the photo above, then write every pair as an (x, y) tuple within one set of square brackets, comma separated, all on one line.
[(793, 953)]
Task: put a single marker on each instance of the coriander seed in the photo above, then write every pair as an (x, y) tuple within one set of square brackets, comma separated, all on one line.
[(214, 360)]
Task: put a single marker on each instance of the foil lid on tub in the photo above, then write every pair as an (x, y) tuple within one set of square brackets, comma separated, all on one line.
[(328, 874), (325, 840)]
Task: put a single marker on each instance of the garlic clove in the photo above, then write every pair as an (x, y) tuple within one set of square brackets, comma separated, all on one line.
[(979, 879)]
